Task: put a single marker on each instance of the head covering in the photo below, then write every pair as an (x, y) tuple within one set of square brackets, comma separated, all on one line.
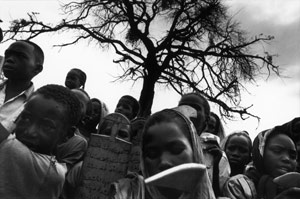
[(204, 188), (263, 182)]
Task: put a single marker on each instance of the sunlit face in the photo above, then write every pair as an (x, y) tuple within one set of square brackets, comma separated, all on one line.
[(124, 107), (238, 151), (41, 125), (73, 80), (280, 155), (20, 61), (165, 146)]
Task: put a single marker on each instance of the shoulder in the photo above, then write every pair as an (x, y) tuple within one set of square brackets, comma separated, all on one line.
[(239, 187)]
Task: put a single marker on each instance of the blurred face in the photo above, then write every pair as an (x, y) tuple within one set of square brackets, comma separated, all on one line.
[(41, 125), (124, 107), (280, 155), (19, 61), (211, 125), (115, 126), (198, 104), (73, 80), (83, 98), (238, 151), (165, 146)]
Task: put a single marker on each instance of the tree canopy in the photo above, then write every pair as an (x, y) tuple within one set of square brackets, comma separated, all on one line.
[(186, 45)]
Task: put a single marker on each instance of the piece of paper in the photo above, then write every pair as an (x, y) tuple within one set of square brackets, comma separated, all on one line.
[(183, 177)]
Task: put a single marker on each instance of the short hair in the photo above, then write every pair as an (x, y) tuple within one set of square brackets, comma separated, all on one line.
[(38, 52), (135, 104), (65, 97), (82, 76)]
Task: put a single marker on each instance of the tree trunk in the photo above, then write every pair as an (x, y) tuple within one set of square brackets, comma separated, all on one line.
[(147, 95)]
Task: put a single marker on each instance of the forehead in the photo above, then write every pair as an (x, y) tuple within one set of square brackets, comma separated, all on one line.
[(73, 72), (43, 107), (21, 46), (164, 132), (125, 100), (282, 140), (238, 139)]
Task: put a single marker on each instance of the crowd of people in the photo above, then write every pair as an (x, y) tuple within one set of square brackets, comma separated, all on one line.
[(45, 136)]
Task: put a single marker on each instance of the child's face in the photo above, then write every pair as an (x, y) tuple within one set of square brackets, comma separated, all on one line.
[(19, 61), (238, 151), (198, 104), (211, 124), (124, 107), (73, 80), (280, 155), (165, 146), (117, 123), (42, 124), (83, 98)]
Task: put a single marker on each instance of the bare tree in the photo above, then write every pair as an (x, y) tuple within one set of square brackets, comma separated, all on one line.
[(188, 45)]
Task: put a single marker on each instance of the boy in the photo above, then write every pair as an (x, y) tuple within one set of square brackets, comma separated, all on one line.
[(23, 60), (128, 106), (28, 167)]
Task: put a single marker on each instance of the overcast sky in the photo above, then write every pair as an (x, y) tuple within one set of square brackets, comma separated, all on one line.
[(276, 100)]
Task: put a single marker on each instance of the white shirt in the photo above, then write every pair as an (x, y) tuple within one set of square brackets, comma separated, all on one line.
[(11, 109)]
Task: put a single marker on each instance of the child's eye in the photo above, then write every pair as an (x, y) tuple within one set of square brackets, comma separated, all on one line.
[(24, 118), (46, 125), (293, 155), (177, 149), (123, 134)]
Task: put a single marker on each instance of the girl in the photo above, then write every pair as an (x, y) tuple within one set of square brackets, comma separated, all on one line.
[(274, 154), (238, 147), (169, 139)]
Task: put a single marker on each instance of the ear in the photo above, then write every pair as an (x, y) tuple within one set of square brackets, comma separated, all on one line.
[(38, 69)]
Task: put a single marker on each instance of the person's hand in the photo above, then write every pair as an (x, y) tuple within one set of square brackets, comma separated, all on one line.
[(214, 149), (291, 193)]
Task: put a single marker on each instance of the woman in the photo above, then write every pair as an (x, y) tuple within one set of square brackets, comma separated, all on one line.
[(169, 139)]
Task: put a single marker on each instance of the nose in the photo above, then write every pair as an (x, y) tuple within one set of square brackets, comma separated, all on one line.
[(165, 161), (286, 158), (31, 131)]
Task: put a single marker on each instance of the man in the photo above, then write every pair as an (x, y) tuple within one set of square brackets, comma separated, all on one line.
[(23, 60)]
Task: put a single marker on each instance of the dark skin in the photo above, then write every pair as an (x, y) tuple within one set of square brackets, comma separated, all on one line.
[(20, 66)]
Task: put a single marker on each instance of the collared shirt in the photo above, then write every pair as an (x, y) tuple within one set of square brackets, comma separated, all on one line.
[(28, 175), (11, 109)]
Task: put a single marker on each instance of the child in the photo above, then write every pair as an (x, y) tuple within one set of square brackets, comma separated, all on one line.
[(215, 126), (238, 147), (76, 78), (274, 154), (22, 62), (169, 139), (199, 103), (99, 111), (219, 169), (128, 106), (28, 167)]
